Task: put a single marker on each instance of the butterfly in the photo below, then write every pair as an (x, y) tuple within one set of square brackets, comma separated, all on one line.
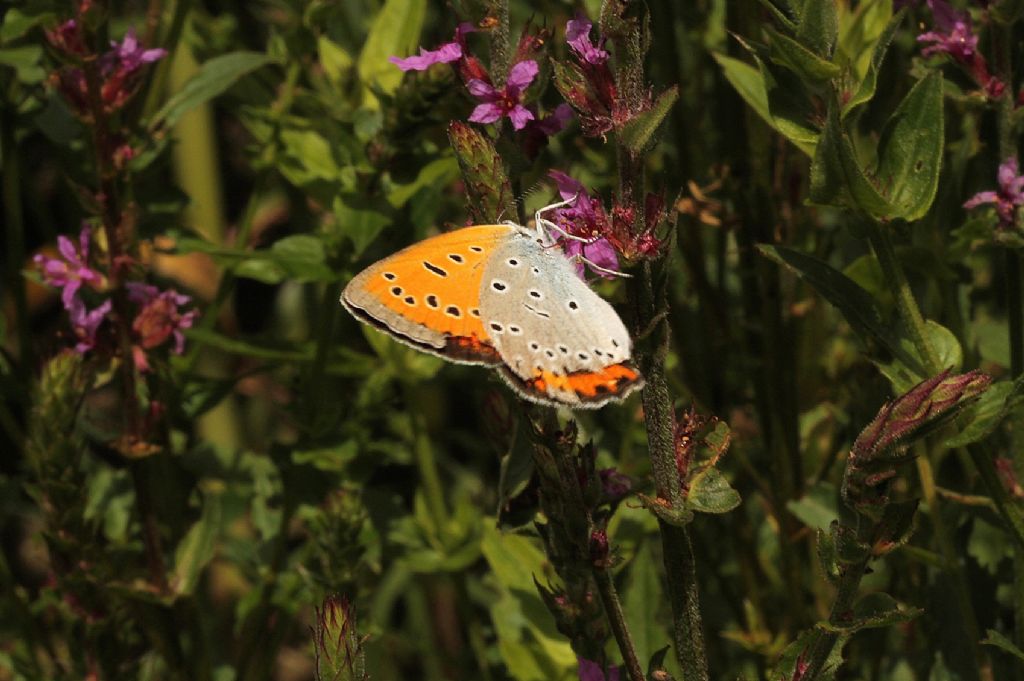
[(506, 297)]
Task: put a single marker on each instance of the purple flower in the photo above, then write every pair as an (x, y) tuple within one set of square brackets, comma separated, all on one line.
[(592, 671), (445, 54), (554, 122), (1007, 198), (131, 55), (584, 218), (953, 34), (614, 485), (507, 101), (86, 323), (577, 34), (159, 315), (73, 270)]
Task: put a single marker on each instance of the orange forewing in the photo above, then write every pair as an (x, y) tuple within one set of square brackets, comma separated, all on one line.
[(436, 283)]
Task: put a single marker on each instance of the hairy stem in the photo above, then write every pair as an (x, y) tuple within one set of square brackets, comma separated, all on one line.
[(617, 620)]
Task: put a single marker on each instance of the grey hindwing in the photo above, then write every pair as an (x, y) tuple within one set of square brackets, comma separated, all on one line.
[(541, 315)]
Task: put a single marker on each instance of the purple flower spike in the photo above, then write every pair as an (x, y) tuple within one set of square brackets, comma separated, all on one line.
[(577, 34), (592, 671), (586, 219), (72, 271), (86, 323), (132, 55), (1007, 198), (505, 102)]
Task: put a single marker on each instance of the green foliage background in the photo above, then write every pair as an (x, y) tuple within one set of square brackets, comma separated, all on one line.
[(307, 455)]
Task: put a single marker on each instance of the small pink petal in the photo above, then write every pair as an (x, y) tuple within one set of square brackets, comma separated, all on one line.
[(520, 116), (521, 75), (486, 113), (981, 198), (481, 89)]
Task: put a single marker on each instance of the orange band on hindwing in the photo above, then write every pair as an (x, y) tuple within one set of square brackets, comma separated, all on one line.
[(612, 380)]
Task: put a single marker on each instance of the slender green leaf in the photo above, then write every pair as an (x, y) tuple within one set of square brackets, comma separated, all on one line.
[(214, 78), (839, 179), (819, 27), (810, 67), (638, 132), (198, 545), (856, 304), (994, 638), (866, 89)]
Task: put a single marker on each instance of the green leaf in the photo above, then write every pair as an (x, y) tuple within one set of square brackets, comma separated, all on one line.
[(337, 63), (360, 225), (527, 639), (895, 527), (25, 62), (395, 32), (710, 492), (641, 599), (866, 89), (796, 653), (910, 150), (198, 545), (638, 132), (818, 507), (828, 554), (873, 611), (810, 67), (855, 304), (17, 23), (214, 78), (987, 545), (438, 173), (750, 83), (837, 177), (983, 418), (819, 27), (994, 638), (247, 349)]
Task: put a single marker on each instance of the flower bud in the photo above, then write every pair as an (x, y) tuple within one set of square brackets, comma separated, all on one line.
[(339, 648)]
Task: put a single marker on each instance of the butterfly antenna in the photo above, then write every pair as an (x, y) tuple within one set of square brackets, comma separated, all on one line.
[(604, 270)]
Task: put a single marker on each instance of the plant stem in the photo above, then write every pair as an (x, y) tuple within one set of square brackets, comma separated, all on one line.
[(617, 620), (680, 565), (952, 565), (1003, 64), (906, 305), (14, 230), (914, 325), (821, 648)]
